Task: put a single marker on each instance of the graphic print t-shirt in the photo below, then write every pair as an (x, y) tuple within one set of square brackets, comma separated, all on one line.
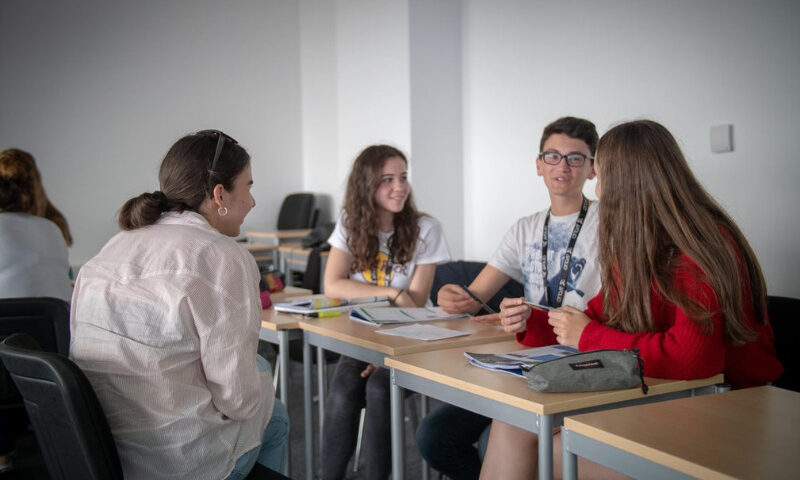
[(431, 248), (519, 256)]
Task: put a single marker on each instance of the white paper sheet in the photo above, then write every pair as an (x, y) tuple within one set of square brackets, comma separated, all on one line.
[(425, 332)]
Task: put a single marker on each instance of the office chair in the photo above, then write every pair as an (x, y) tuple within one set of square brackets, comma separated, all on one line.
[(463, 272), (297, 211), (784, 315), (67, 417)]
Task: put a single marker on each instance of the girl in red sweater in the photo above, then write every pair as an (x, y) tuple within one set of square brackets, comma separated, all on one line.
[(680, 283)]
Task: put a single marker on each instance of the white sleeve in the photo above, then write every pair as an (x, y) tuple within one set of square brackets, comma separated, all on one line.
[(431, 246), (507, 256), (338, 238), (227, 314)]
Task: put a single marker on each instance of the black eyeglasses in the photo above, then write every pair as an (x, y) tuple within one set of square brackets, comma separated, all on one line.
[(573, 159), (222, 137)]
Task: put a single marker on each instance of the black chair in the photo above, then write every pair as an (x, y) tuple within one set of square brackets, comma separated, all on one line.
[(297, 211), (463, 272), (784, 314), (67, 417), (47, 321)]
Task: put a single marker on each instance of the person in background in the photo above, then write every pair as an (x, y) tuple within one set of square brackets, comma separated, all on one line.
[(34, 235), (381, 246), (680, 283), (569, 276), (165, 322)]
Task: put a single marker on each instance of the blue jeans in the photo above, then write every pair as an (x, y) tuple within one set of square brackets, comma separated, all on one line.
[(446, 439), (274, 442)]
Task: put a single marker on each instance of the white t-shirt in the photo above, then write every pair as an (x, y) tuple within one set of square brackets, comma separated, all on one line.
[(431, 248), (519, 256)]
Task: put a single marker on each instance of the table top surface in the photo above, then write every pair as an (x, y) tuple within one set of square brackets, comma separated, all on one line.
[(450, 367), (483, 329), (750, 434), (278, 234), (272, 320)]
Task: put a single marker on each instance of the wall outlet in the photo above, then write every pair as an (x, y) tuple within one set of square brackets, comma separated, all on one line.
[(722, 138)]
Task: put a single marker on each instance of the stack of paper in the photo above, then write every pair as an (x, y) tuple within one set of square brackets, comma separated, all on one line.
[(514, 362), (321, 303), (427, 332), (386, 315)]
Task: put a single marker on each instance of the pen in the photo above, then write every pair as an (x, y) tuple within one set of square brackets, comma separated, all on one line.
[(537, 306), (475, 297)]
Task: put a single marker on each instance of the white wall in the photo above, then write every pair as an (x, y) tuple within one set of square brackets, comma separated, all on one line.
[(98, 91), (686, 64)]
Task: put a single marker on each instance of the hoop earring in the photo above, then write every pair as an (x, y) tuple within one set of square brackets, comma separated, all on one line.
[(222, 211)]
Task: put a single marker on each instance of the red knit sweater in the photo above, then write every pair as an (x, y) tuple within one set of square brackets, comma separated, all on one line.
[(679, 349)]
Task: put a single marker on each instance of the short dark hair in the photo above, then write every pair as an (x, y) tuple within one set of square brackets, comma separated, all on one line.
[(572, 127), (186, 179)]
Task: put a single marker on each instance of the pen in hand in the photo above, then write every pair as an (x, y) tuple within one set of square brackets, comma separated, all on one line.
[(475, 297)]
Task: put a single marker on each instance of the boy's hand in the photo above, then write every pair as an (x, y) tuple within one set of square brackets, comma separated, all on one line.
[(453, 299), (514, 314)]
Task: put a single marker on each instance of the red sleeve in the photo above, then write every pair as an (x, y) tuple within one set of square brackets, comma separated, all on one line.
[(680, 349), (539, 333)]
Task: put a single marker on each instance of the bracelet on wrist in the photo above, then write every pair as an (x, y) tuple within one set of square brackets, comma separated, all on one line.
[(394, 300)]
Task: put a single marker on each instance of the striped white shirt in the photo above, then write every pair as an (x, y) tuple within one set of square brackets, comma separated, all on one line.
[(165, 323)]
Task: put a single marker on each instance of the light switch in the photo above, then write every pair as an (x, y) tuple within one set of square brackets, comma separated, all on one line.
[(722, 138)]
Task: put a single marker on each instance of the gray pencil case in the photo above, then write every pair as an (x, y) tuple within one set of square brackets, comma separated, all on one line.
[(589, 372)]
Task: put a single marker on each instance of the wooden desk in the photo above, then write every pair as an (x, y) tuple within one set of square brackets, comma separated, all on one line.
[(289, 292), (447, 375), (277, 236), (359, 340), (294, 258), (747, 434)]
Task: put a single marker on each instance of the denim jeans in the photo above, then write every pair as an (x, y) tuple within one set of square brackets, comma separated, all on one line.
[(446, 439), (274, 442)]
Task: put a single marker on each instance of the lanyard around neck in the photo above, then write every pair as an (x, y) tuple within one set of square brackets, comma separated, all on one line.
[(565, 266)]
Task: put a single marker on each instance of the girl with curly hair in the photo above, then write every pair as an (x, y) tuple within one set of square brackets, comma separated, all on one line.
[(382, 246)]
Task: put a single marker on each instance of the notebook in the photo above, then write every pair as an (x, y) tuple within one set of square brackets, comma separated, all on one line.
[(514, 362), (321, 303), (388, 315)]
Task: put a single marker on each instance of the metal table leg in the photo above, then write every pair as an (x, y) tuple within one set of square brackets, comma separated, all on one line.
[(423, 407), (545, 447), (307, 409), (570, 459), (283, 362), (322, 388), (398, 437)]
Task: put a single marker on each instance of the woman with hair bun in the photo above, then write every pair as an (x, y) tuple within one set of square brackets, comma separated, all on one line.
[(34, 236), (165, 323)]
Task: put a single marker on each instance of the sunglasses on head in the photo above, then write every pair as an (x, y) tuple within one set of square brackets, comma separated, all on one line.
[(222, 137)]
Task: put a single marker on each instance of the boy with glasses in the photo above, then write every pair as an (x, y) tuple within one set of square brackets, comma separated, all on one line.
[(553, 253)]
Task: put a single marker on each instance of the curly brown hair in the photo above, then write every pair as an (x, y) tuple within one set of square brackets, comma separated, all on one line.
[(361, 219), (21, 190)]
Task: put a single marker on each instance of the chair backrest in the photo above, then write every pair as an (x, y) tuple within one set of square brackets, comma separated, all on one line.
[(463, 272), (297, 211), (784, 314), (44, 319), (69, 422)]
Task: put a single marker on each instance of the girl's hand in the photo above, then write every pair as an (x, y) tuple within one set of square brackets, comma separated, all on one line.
[(568, 324), (368, 371), (514, 314)]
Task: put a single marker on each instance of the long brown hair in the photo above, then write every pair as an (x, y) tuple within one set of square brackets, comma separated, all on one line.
[(22, 190), (361, 219), (652, 210)]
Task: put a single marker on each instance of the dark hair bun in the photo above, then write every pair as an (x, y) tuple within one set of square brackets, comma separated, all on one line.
[(143, 210)]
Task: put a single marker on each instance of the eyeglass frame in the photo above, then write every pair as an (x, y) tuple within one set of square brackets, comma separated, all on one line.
[(564, 157), (222, 137)]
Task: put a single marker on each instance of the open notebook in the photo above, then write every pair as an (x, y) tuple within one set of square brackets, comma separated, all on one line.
[(389, 315), (321, 303)]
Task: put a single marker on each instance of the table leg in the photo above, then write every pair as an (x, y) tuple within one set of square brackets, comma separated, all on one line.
[(423, 412), (398, 437), (283, 361), (569, 459), (322, 388), (545, 447), (307, 410)]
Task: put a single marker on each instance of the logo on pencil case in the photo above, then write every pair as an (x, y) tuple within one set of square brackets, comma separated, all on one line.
[(587, 364)]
